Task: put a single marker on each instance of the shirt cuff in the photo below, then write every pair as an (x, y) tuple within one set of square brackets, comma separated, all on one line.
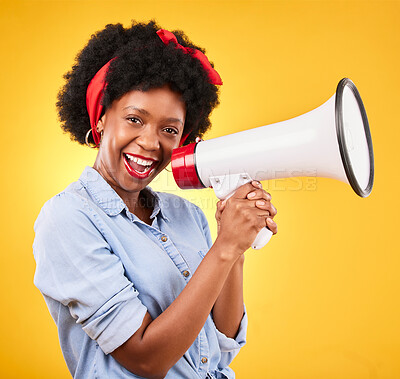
[(111, 326), (228, 344)]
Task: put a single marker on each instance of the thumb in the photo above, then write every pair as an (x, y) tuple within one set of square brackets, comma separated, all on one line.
[(221, 205), (245, 189), (220, 208)]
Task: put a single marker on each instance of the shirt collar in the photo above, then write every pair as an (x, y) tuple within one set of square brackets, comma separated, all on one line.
[(107, 199), (158, 206)]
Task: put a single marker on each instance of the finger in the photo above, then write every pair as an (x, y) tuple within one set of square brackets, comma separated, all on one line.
[(256, 184), (259, 194), (271, 225), (261, 204), (263, 214), (242, 191), (266, 205), (258, 207)]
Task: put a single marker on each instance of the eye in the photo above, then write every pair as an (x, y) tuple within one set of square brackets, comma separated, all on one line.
[(171, 130), (134, 120)]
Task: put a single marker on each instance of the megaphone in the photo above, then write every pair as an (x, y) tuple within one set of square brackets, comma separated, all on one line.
[(332, 141)]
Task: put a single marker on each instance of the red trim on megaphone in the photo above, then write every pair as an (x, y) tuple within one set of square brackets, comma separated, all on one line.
[(183, 162)]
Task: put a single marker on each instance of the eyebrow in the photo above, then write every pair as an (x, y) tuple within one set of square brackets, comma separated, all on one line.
[(143, 111)]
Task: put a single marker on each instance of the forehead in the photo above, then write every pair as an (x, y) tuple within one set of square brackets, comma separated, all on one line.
[(156, 101)]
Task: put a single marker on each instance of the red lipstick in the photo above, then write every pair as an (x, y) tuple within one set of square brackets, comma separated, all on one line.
[(138, 166)]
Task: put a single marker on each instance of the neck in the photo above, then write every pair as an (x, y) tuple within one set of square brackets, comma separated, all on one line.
[(140, 203)]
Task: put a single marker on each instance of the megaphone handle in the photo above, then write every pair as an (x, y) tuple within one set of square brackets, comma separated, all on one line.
[(263, 237), (225, 186)]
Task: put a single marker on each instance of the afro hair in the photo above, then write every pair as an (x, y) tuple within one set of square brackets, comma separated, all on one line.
[(142, 62)]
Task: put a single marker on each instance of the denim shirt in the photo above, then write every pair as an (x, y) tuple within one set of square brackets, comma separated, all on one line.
[(100, 269)]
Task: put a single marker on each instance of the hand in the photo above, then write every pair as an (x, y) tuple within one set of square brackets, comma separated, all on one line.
[(263, 201), (243, 215)]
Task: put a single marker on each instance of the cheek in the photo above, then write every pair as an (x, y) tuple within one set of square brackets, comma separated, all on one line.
[(110, 152), (116, 140), (169, 144), (168, 150), (166, 157)]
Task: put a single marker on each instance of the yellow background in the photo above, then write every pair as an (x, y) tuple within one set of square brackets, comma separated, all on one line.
[(323, 295)]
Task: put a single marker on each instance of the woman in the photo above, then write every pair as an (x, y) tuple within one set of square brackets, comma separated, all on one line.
[(130, 276)]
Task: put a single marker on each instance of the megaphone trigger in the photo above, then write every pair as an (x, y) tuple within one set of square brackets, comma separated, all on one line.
[(225, 186)]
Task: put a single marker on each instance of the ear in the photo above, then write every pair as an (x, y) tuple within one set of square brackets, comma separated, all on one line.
[(100, 124)]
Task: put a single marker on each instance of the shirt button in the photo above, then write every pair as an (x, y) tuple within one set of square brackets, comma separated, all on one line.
[(186, 273), (164, 238), (204, 360)]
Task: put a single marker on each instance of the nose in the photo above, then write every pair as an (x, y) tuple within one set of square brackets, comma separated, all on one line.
[(148, 139)]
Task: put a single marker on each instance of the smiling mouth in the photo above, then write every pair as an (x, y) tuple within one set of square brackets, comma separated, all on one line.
[(139, 167)]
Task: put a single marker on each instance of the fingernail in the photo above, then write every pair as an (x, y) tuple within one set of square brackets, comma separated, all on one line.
[(260, 202), (270, 220), (256, 183), (251, 194)]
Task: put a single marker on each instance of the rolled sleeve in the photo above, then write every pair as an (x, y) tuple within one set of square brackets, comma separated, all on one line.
[(76, 267), (115, 321), (230, 346)]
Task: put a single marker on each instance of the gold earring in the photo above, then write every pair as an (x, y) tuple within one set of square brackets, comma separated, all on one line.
[(87, 140)]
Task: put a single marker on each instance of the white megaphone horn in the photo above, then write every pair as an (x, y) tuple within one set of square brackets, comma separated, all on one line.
[(331, 141)]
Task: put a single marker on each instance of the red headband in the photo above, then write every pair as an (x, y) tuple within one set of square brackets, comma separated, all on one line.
[(98, 84), (94, 95)]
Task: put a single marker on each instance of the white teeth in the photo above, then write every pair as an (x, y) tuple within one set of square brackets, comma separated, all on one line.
[(142, 162)]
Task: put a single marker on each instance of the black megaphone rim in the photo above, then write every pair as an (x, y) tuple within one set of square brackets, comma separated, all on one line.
[(363, 192)]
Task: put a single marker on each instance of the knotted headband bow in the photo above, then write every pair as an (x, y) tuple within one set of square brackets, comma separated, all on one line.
[(97, 85), (213, 75)]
